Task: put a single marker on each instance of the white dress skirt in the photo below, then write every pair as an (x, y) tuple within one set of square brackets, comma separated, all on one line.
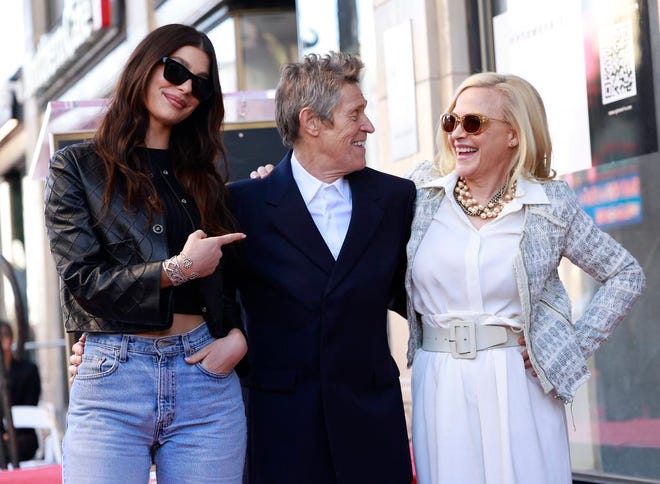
[(484, 420)]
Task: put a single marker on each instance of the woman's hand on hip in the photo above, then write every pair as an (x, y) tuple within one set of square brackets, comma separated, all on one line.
[(75, 359), (525, 356)]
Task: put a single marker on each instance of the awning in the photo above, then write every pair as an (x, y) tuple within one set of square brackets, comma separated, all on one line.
[(63, 119)]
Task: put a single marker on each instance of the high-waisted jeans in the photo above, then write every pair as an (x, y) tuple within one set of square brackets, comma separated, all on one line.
[(136, 401)]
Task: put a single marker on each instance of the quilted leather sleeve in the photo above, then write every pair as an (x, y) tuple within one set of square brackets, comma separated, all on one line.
[(110, 270)]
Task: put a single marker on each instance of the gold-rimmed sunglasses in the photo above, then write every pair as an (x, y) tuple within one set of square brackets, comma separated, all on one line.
[(472, 123)]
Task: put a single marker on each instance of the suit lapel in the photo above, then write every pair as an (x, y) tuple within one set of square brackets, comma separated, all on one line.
[(292, 219), (366, 216)]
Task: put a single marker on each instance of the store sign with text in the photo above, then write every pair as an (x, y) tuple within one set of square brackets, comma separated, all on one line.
[(81, 21), (610, 194)]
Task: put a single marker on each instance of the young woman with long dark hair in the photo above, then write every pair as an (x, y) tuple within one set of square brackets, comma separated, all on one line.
[(137, 222)]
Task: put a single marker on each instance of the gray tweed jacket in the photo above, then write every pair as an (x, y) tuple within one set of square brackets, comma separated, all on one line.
[(558, 348)]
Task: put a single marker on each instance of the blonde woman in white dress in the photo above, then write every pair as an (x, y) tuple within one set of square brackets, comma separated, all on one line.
[(495, 353)]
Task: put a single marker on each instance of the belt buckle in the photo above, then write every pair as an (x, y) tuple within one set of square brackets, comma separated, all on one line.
[(467, 336)]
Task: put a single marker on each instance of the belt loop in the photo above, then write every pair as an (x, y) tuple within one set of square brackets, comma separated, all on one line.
[(187, 348), (123, 351)]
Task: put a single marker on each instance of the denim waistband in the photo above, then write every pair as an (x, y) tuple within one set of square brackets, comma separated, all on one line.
[(186, 343)]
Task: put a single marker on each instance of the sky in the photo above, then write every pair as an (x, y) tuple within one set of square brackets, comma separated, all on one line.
[(12, 41)]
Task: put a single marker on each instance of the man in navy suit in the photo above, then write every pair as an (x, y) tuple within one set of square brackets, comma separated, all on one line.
[(323, 260)]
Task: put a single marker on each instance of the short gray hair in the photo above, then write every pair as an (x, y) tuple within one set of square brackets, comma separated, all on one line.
[(313, 83)]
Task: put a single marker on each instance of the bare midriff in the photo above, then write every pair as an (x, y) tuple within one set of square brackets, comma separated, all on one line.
[(181, 323)]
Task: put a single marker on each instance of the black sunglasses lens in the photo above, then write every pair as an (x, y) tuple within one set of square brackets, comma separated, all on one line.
[(471, 123), (202, 88), (448, 122), (175, 73)]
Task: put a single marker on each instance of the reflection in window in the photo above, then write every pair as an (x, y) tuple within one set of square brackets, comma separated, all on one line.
[(267, 41), (252, 47), (223, 38)]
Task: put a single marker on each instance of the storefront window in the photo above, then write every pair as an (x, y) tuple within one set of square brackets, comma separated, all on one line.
[(601, 105), (614, 422), (252, 47), (223, 38), (267, 42)]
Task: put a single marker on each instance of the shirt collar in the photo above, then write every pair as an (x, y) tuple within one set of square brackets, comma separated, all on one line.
[(531, 192), (310, 185), (447, 182), (527, 191)]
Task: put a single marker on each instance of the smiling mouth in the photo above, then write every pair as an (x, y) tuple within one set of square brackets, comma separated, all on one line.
[(463, 151), (359, 144), (175, 101)]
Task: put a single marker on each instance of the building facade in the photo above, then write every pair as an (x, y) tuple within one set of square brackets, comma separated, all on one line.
[(596, 64)]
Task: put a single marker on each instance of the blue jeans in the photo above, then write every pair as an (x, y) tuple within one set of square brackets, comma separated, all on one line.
[(136, 401)]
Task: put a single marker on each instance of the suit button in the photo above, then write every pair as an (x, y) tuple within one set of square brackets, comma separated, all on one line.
[(158, 229)]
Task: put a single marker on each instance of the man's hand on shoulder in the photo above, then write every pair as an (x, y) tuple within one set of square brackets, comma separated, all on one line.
[(262, 171)]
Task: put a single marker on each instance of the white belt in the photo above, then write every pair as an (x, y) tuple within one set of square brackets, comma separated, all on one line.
[(464, 338)]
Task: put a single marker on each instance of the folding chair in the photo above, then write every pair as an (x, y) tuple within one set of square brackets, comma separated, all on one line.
[(41, 418)]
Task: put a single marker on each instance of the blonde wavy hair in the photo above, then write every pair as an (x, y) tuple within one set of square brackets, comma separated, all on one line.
[(523, 109)]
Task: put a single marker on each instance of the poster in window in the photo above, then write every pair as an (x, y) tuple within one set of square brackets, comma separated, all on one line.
[(617, 47), (541, 42)]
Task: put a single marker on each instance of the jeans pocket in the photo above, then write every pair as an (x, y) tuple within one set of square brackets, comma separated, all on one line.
[(215, 376), (203, 369), (98, 361)]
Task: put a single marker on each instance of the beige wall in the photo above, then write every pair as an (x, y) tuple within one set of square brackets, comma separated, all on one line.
[(440, 59)]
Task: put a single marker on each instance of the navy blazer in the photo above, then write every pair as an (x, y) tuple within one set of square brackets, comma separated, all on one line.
[(324, 401)]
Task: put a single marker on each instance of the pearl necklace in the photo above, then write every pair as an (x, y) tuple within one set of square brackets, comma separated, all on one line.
[(472, 208)]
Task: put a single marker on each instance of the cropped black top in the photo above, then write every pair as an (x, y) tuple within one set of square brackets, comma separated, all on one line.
[(181, 219)]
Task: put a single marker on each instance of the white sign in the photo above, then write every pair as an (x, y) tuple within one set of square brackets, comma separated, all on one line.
[(543, 43)]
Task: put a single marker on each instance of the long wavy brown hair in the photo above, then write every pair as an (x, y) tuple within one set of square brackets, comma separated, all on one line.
[(197, 151)]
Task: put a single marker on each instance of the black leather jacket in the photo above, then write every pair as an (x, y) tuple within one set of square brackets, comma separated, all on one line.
[(110, 268)]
